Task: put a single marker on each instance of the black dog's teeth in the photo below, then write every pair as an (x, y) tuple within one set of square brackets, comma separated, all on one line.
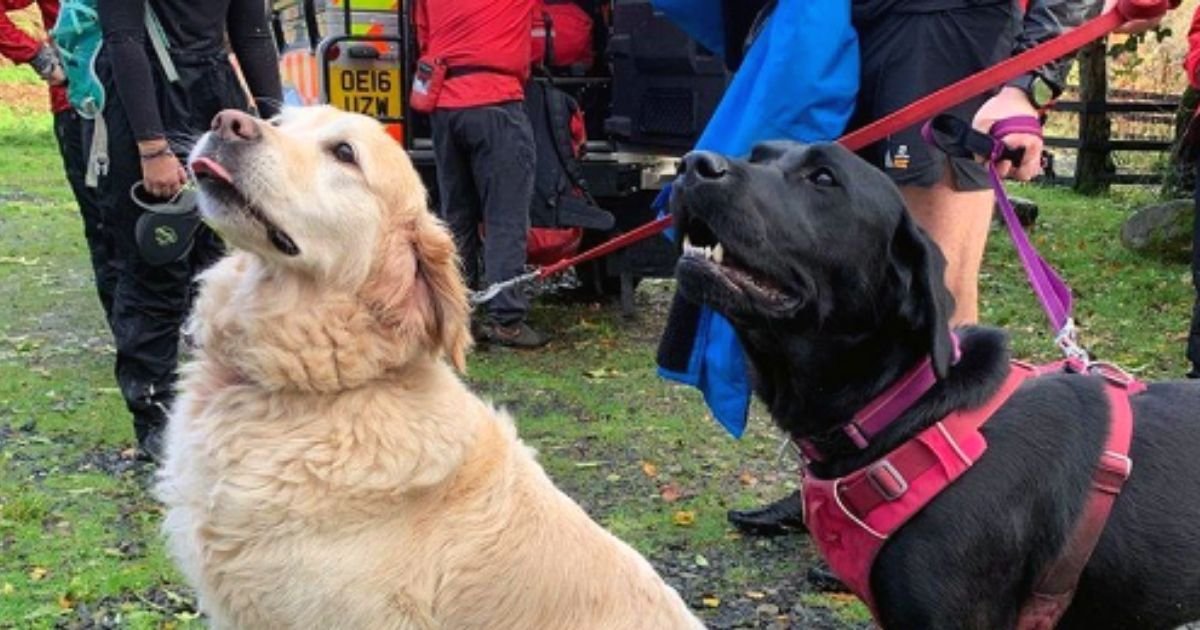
[(715, 253)]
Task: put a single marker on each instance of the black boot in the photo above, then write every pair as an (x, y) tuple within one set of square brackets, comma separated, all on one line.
[(784, 516), (150, 446), (148, 425)]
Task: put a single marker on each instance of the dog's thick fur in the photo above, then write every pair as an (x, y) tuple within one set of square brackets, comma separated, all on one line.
[(835, 293), (325, 466)]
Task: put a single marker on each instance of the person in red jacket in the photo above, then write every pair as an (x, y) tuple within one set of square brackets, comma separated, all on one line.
[(483, 145), (1192, 64), (69, 129)]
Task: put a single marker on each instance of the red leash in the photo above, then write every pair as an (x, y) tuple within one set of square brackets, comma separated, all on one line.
[(915, 112)]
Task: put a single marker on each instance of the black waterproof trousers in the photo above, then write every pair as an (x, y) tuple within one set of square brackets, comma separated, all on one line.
[(74, 137), (150, 303), (485, 162)]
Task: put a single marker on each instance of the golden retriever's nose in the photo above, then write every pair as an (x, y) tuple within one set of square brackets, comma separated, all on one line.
[(234, 125), (703, 165)]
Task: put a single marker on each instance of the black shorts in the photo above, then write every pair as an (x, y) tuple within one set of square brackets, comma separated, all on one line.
[(907, 55)]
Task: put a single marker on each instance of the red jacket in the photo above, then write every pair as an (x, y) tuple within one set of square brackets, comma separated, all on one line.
[(20, 46), (1192, 62), (492, 33)]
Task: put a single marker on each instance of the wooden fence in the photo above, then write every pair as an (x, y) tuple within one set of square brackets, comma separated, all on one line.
[(1143, 128)]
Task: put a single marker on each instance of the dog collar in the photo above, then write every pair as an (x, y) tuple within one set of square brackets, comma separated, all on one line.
[(885, 408)]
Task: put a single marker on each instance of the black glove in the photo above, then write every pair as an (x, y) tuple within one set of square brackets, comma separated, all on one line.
[(46, 63)]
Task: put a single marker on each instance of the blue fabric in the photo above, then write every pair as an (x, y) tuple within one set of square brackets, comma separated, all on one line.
[(798, 82), (700, 19)]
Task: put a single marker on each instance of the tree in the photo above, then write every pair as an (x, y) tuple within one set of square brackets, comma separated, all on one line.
[(1180, 179), (1094, 166)]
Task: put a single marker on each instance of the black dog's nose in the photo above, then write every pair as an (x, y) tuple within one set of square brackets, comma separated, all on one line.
[(704, 165)]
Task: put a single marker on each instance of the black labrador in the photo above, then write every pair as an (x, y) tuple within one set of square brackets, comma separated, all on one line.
[(835, 293)]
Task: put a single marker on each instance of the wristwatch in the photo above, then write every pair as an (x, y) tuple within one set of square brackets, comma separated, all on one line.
[(1041, 92)]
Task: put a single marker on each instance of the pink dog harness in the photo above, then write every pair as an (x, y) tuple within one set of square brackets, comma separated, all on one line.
[(851, 517)]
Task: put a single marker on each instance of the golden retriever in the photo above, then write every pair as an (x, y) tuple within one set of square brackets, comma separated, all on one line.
[(325, 467)]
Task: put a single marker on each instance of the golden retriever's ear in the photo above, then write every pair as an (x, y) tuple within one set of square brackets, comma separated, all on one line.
[(437, 270), (415, 289)]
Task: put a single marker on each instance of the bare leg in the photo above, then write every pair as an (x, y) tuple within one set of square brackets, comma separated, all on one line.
[(958, 222)]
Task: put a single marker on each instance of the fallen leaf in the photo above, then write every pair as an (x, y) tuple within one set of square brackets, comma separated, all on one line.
[(701, 561), (588, 464), (186, 616), (684, 518), (747, 479), (712, 601), (65, 602), (755, 594), (175, 597), (21, 260), (602, 373), (670, 493), (614, 477), (650, 470), (37, 574)]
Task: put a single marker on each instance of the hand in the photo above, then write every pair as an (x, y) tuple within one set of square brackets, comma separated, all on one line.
[(163, 175), (1132, 27), (1010, 102), (47, 65), (57, 76)]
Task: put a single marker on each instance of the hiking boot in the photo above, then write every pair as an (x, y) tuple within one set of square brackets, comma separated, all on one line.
[(785, 516), (518, 335), (478, 329), (150, 447)]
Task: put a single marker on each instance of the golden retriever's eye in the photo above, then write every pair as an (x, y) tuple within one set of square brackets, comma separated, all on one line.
[(344, 153), (822, 176)]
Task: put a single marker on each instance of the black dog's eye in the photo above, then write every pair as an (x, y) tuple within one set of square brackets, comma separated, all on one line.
[(822, 176), (344, 153)]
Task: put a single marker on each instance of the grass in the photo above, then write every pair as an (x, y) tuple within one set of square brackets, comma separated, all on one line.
[(78, 533)]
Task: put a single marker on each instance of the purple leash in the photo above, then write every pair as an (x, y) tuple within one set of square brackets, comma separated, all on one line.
[(1052, 292)]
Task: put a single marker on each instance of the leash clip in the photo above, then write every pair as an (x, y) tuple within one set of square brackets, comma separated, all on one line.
[(1067, 340), (486, 295)]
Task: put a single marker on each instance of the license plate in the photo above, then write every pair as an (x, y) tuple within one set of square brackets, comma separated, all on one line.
[(371, 91)]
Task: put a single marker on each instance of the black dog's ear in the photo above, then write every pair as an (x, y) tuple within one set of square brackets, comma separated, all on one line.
[(928, 304)]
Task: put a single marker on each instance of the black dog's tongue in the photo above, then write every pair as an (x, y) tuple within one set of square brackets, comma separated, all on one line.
[(282, 242)]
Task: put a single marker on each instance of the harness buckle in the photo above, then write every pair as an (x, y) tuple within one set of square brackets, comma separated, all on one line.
[(1112, 373), (886, 480), (1112, 472), (854, 432)]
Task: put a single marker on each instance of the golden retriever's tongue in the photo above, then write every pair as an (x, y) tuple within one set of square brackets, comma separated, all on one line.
[(210, 167)]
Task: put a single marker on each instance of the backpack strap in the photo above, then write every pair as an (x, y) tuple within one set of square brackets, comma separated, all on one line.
[(97, 162), (158, 39), (460, 71)]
